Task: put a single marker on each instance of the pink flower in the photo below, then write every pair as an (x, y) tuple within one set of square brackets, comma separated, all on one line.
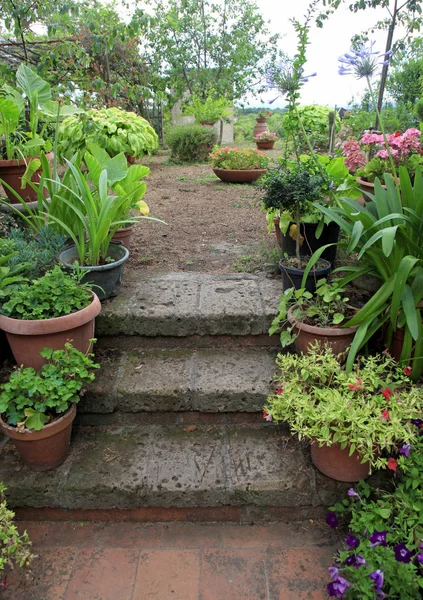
[(408, 370), (372, 138), (267, 417), (392, 464), (387, 393), (385, 415)]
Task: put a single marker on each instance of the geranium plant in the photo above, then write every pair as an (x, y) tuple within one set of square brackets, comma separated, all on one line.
[(31, 399), (266, 136), (238, 158), (264, 114), (382, 555), (369, 409)]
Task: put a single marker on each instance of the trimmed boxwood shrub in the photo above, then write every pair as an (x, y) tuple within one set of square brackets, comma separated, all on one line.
[(191, 143)]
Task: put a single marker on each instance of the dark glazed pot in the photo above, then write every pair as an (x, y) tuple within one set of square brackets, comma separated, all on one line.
[(330, 235), (338, 464), (239, 176), (292, 277), (45, 449)]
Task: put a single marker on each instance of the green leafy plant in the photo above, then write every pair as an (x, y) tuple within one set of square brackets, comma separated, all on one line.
[(327, 307), (30, 399), (238, 158), (37, 252), (191, 143), (315, 120), (14, 547), (382, 554), (368, 409), (112, 129), (54, 295), (208, 110), (264, 114)]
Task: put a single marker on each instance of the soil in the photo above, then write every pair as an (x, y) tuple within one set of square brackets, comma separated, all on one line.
[(212, 226), (292, 263)]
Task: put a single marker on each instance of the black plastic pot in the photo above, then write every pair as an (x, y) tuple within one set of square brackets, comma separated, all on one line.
[(106, 279), (292, 277), (330, 235)]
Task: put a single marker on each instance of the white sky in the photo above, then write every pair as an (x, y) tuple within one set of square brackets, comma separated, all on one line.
[(326, 46)]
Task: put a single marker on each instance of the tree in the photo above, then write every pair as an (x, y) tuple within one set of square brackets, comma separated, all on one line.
[(406, 73), (207, 48)]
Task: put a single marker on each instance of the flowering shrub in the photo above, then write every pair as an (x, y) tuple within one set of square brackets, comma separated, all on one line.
[(369, 157), (238, 158), (382, 555), (266, 136), (368, 409)]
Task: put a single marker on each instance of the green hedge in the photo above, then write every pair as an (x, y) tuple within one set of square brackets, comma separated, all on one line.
[(191, 143)]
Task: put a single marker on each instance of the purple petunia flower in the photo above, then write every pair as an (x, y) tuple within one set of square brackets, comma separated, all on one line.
[(353, 494), (402, 553), (377, 577), (420, 558), (417, 422), (333, 572), (355, 560), (405, 450), (352, 541), (337, 588), (378, 538), (332, 519)]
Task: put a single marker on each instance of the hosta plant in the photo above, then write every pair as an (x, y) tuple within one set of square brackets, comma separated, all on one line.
[(369, 409), (238, 159), (31, 399)]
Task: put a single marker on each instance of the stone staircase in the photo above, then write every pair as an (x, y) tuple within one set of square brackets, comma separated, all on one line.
[(172, 427)]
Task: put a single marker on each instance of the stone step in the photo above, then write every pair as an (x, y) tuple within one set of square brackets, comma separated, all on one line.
[(173, 466), (190, 304), (205, 380)]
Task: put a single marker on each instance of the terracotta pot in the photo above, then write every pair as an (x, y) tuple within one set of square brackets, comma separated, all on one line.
[(207, 123), (239, 176), (124, 235), (338, 464), (397, 342), (260, 126), (12, 170), (28, 337), (265, 145), (45, 449), (367, 187), (338, 338), (278, 232), (130, 159)]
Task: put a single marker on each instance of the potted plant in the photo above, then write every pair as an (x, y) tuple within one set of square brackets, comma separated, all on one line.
[(22, 135), (265, 140), (304, 318), (37, 409), (238, 165), (45, 312), (207, 111), (351, 419), (14, 547), (112, 129)]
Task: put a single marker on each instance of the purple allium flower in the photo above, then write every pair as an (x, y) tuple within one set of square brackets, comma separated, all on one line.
[(363, 62), (333, 572), (353, 494), (402, 553), (378, 538), (377, 577), (352, 541), (332, 519), (405, 450), (337, 588)]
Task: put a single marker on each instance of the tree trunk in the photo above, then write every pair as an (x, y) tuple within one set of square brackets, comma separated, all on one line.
[(385, 68)]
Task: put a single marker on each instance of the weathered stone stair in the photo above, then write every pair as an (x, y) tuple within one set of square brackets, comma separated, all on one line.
[(173, 420)]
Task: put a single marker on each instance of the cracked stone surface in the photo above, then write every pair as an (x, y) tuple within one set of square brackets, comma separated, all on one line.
[(181, 304), (172, 466)]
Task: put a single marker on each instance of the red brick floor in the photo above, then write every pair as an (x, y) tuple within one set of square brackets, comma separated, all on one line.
[(177, 561)]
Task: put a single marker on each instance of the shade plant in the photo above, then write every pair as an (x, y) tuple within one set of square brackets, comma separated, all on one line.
[(382, 555), (367, 410)]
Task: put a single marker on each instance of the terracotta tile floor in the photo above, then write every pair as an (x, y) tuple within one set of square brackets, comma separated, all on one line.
[(177, 561)]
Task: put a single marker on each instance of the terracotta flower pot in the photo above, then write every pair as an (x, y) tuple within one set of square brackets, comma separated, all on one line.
[(28, 337), (45, 449), (367, 187), (338, 464), (12, 170), (239, 176), (338, 338), (207, 123), (260, 126), (268, 145), (124, 235)]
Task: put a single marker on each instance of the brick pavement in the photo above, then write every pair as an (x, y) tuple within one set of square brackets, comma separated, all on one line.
[(178, 561)]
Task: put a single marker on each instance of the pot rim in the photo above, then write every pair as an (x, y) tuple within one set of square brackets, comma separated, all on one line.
[(320, 331), (105, 267), (20, 162), (48, 430), (240, 170), (53, 325), (295, 271)]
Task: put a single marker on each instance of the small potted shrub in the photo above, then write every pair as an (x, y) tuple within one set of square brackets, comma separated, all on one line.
[(266, 140), (37, 409), (351, 419), (14, 547), (45, 312), (304, 318), (238, 165)]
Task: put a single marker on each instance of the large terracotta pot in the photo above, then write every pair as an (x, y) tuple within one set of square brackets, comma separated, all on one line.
[(265, 145), (45, 449), (367, 187), (12, 170), (124, 235), (28, 337), (338, 464), (239, 176), (260, 126), (338, 338)]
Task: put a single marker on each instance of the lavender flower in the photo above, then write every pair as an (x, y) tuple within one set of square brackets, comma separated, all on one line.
[(332, 519), (363, 62), (337, 588), (405, 450), (402, 553), (378, 538), (353, 494), (352, 541)]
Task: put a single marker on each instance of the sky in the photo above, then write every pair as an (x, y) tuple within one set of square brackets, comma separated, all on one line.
[(327, 44)]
